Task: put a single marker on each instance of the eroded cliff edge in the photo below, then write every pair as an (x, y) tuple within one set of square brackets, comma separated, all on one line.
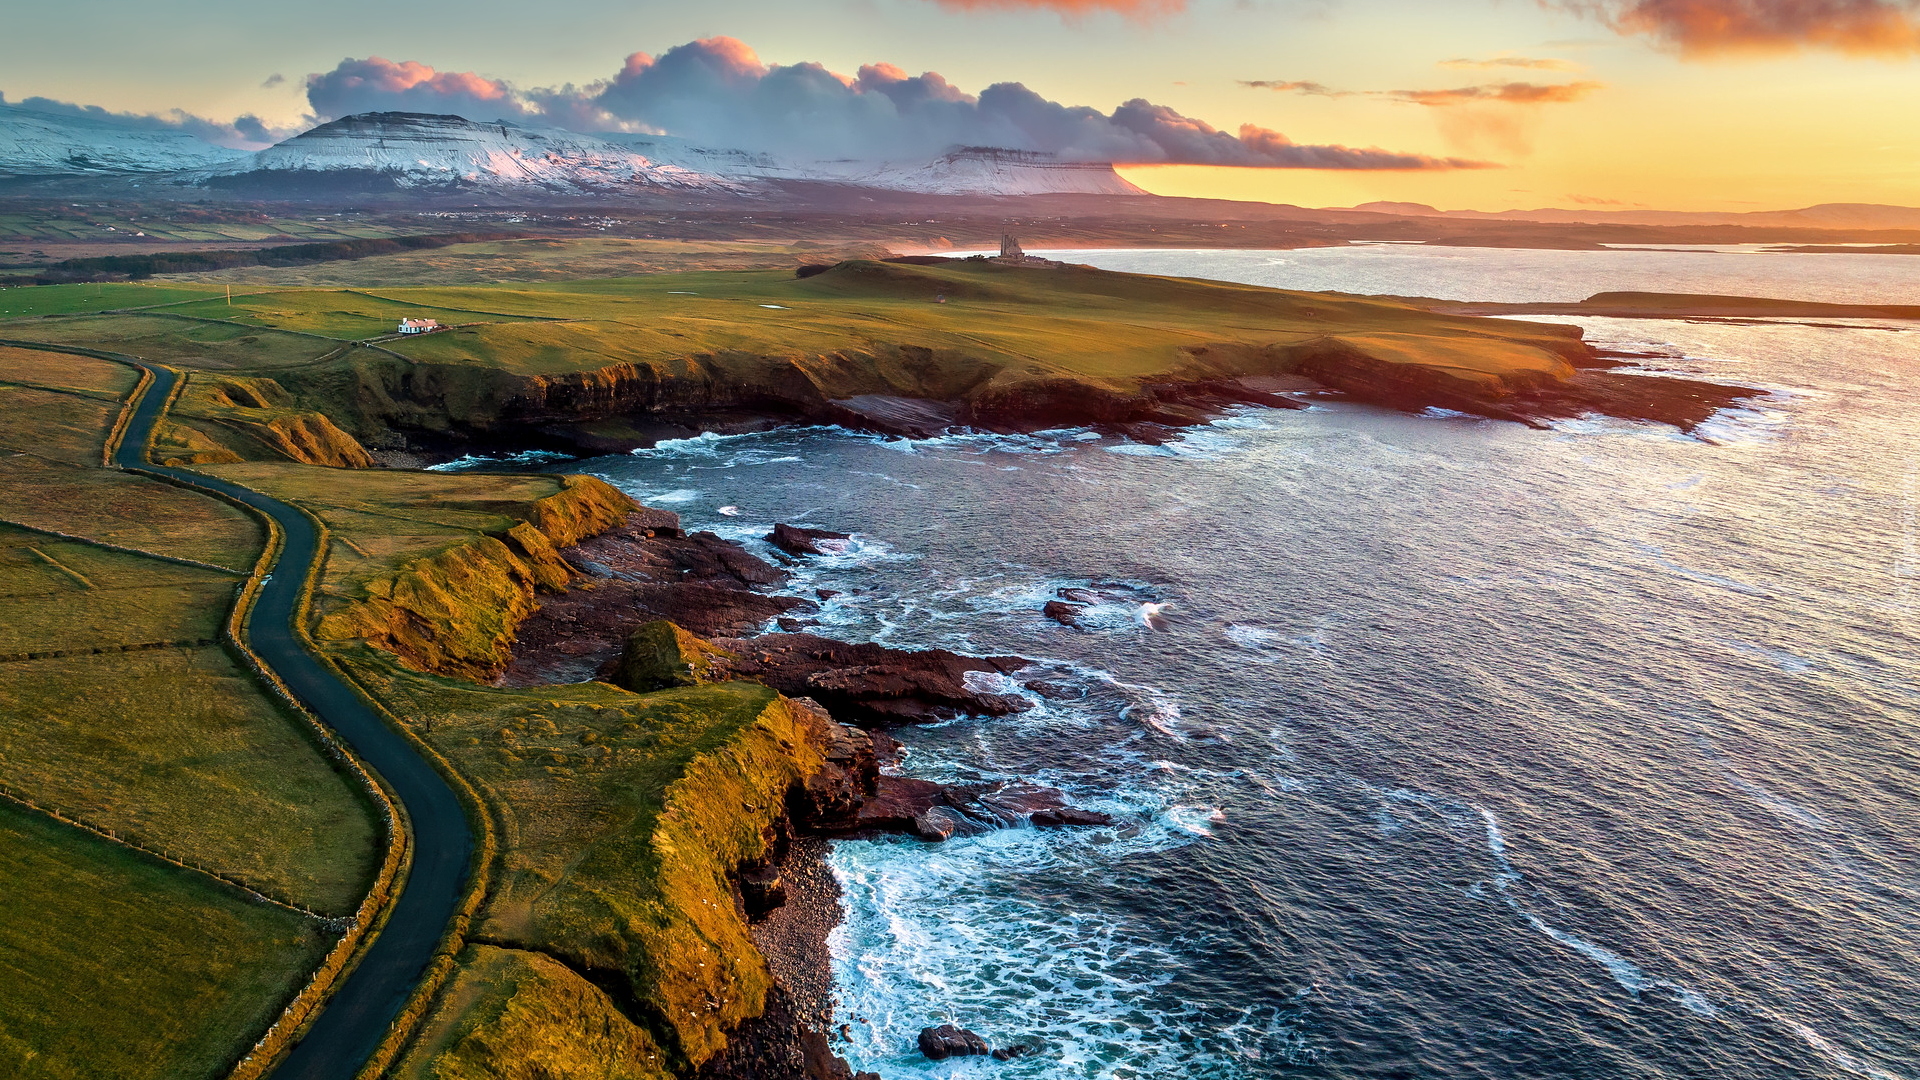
[(925, 346)]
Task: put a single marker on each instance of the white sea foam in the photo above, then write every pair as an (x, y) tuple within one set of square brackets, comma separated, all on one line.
[(1850, 1062), (974, 932), (1252, 637), (481, 461), (1631, 977)]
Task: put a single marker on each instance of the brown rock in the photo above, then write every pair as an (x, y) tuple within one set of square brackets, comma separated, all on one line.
[(647, 569), (872, 684), (945, 1041), (798, 541), (1063, 613)]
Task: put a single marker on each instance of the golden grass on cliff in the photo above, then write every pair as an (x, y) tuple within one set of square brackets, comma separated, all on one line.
[(382, 519), (120, 966), (439, 568), (621, 815), (509, 1014), (224, 418)]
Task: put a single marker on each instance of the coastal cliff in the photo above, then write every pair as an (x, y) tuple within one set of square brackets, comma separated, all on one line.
[(454, 612), (651, 823), (921, 346)]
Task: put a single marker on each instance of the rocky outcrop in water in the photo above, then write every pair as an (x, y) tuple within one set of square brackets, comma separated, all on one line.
[(647, 569), (872, 684), (798, 541), (947, 1041)]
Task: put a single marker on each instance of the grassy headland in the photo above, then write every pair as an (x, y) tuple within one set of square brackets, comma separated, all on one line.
[(616, 362)]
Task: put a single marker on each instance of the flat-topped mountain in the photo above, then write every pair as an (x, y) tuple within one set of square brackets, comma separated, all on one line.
[(428, 153), (400, 150)]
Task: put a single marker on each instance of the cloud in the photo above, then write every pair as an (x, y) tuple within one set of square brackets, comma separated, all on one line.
[(247, 132), (1296, 87), (717, 91), (1528, 62), (1707, 27), (1510, 93), (1507, 93), (376, 84), (1136, 9), (1489, 117)]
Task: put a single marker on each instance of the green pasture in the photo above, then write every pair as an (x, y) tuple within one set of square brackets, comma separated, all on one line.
[(31, 300), (120, 966)]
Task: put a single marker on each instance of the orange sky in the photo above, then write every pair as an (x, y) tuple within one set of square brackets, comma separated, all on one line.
[(1671, 104)]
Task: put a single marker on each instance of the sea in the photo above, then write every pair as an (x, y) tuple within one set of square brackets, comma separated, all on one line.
[(1437, 746)]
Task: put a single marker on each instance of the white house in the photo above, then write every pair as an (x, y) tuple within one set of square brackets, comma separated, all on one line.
[(418, 326)]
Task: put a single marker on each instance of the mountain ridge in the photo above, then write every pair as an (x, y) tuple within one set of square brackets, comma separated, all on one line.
[(430, 153)]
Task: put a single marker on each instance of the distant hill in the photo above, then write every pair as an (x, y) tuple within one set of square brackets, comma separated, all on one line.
[(34, 144), (429, 153), (1823, 216)]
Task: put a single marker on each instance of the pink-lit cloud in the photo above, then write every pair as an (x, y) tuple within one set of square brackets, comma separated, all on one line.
[(1510, 93), (1707, 27), (1134, 9), (719, 92), (1530, 63), (1507, 93)]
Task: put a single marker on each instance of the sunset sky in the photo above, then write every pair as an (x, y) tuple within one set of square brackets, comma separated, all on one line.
[(1678, 104)]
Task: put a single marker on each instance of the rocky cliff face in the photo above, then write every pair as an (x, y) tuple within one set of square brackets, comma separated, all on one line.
[(454, 612)]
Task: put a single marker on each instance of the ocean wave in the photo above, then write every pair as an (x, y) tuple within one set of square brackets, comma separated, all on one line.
[(1631, 977), (978, 932)]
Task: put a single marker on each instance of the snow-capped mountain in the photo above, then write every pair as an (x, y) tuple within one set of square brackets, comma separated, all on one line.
[(985, 170), (35, 143), (429, 153), (425, 151), (973, 170)]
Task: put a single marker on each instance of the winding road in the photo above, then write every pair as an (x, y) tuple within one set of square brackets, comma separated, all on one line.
[(363, 1007)]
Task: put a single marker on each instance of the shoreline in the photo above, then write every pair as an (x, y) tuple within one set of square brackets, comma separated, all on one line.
[(648, 572)]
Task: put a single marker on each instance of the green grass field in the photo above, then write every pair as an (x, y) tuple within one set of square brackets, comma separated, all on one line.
[(184, 342), (116, 708), (542, 259), (21, 302), (119, 966), (178, 749)]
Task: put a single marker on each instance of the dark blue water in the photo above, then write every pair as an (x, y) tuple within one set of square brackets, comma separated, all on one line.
[(1466, 750)]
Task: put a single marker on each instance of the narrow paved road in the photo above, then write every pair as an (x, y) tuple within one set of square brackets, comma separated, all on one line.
[(363, 1007)]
